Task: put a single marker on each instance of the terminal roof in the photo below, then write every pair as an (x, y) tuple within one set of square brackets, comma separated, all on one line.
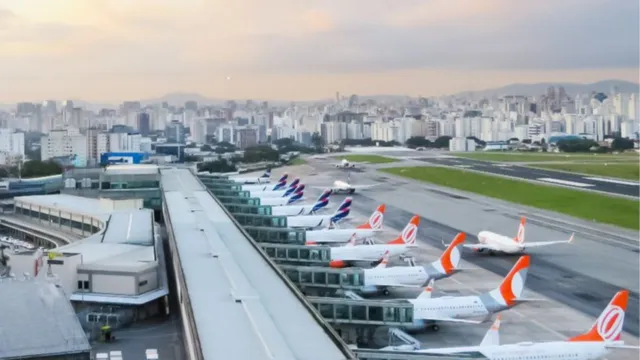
[(37, 319), (243, 307)]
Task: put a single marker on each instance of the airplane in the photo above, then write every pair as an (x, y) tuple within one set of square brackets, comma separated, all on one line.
[(280, 201), (345, 164), (282, 192), (493, 242), (367, 230), (351, 253), (340, 186), (316, 221), (427, 310), (303, 209), (596, 343), (381, 277), (281, 184), (262, 179)]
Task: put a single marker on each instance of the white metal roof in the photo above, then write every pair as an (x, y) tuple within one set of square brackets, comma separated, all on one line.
[(69, 203), (131, 169), (237, 302)]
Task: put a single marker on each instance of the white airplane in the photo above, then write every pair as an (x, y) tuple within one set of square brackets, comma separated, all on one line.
[(367, 230), (493, 242), (340, 186), (345, 164), (594, 344), (427, 310), (381, 277), (316, 221), (303, 209), (281, 184), (352, 254), (280, 201), (262, 179)]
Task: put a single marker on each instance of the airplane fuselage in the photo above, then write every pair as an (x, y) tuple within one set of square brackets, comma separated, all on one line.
[(499, 242), (275, 201), (339, 235), (456, 307), (257, 188), (342, 187), (248, 180), (557, 350), (292, 210), (309, 221), (268, 193), (368, 253), (403, 275)]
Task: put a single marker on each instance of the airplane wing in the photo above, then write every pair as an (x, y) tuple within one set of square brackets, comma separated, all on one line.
[(545, 243), (363, 186), (436, 317)]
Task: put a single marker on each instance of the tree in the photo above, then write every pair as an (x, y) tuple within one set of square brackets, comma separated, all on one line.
[(576, 145), (260, 153), (442, 142), (317, 141), (206, 148), (35, 168), (216, 166), (284, 142)]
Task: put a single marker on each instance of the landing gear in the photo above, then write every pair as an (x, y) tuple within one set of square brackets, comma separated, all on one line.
[(385, 292), (480, 250), (492, 253), (435, 327)]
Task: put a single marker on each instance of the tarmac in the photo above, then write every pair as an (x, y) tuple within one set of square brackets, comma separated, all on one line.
[(576, 281)]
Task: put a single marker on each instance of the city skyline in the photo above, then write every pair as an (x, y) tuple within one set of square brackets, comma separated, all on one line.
[(306, 50)]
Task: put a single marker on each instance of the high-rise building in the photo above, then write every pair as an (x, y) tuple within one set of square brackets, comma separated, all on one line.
[(65, 143), (11, 145), (246, 137), (174, 132), (144, 124)]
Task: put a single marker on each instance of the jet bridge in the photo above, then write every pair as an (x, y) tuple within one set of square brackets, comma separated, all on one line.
[(248, 209), (238, 200), (261, 220), (357, 320), (272, 235), (314, 280), (298, 254)]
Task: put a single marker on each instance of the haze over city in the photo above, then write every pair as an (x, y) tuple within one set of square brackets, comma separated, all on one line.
[(109, 51)]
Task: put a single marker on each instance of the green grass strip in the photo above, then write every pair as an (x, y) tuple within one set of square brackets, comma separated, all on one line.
[(589, 206), (535, 157), (629, 171)]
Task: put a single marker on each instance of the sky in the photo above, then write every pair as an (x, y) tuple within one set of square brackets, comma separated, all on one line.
[(114, 50)]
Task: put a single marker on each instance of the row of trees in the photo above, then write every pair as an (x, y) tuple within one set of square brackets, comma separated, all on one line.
[(31, 169), (419, 141)]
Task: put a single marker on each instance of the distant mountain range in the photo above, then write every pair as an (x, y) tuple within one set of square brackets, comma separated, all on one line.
[(179, 98), (604, 86)]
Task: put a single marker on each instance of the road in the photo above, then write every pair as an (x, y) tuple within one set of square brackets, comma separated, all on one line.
[(583, 276), (587, 182)]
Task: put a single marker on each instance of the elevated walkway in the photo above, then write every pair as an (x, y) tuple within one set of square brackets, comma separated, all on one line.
[(229, 290), (46, 236), (395, 313), (324, 280), (301, 255)]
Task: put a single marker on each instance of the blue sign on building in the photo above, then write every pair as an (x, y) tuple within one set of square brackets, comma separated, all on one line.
[(112, 158)]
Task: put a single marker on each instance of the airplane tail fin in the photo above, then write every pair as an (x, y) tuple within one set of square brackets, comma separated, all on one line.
[(520, 235), (282, 182), (292, 187), (428, 290), (352, 240), (267, 174), (409, 234), (608, 327), (384, 261), (322, 201), (342, 211), (512, 287), (492, 337), (297, 195), (376, 219), (450, 258)]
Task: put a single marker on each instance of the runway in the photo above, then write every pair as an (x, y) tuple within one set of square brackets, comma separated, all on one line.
[(583, 276), (550, 177)]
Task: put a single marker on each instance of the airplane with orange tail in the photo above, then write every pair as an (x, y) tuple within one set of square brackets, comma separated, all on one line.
[(493, 242), (381, 277), (367, 230), (462, 309), (603, 336), (351, 253)]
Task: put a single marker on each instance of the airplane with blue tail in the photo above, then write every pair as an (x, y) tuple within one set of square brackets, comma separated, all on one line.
[(297, 195), (304, 209), (321, 221), (281, 192), (281, 184), (262, 179)]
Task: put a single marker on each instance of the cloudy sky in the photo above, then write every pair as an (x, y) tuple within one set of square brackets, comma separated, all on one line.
[(111, 50)]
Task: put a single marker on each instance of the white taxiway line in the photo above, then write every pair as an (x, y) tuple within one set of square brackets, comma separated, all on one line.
[(613, 181), (564, 182)]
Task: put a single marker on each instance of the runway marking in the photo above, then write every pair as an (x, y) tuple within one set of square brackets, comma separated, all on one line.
[(463, 166), (621, 182), (503, 165), (565, 182)]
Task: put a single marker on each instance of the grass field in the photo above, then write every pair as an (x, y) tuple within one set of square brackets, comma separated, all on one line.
[(297, 161), (372, 159), (585, 205), (621, 170), (535, 157)]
